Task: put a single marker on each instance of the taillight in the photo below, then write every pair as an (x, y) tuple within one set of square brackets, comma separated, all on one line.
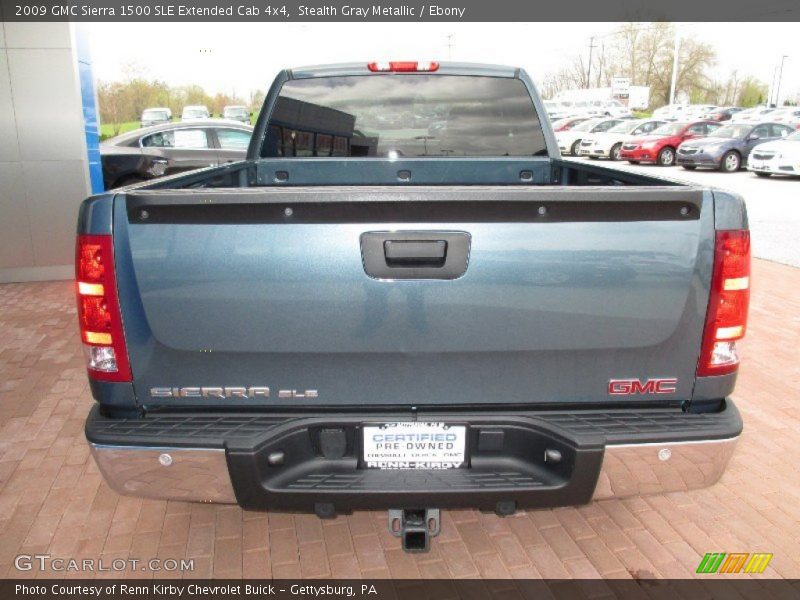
[(403, 67), (98, 309), (726, 320)]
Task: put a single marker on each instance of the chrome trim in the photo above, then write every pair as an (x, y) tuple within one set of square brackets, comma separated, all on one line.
[(636, 469), (168, 473)]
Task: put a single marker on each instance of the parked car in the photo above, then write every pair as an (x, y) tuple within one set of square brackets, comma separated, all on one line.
[(615, 108), (191, 113), (789, 115), (591, 108), (568, 123), (697, 111), (728, 148), (321, 334), (559, 110), (236, 113), (608, 144), (155, 116), (160, 150), (659, 146), (569, 141), (721, 114), (781, 157), (671, 112), (757, 114)]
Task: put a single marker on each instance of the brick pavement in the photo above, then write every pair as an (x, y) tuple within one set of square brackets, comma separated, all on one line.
[(54, 501)]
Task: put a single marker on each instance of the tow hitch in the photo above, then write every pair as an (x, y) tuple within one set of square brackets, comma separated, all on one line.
[(415, 527)]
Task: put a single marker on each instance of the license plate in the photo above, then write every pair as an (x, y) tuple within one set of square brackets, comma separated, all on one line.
[(409, 445)]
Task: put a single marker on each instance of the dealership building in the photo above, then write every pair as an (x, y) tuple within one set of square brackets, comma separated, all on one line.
[(49, 155)]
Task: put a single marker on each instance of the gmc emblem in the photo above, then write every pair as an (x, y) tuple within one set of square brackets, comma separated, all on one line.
[(632, 387)]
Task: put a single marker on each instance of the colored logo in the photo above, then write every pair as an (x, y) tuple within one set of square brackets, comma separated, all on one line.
[(734, 562)]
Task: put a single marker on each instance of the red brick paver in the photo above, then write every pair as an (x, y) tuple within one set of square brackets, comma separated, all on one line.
[(53, 500)]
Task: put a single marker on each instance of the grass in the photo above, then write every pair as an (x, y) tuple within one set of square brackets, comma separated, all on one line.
[(107, 129)]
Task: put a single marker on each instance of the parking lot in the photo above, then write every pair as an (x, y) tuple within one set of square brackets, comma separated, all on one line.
[(773, 205), (54, 501)]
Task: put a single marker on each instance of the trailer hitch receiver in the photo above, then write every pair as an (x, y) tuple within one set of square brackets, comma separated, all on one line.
[(415, 527)]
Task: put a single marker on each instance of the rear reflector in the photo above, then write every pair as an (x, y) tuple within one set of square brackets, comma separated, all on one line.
[(726, 319), (98, 309), (403, 67)]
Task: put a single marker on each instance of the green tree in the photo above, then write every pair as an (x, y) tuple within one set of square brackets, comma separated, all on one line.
[(751, 92), (114, 104)]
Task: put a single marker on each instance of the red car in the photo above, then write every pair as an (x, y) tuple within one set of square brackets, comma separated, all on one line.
[(659, 146), (568, 123)]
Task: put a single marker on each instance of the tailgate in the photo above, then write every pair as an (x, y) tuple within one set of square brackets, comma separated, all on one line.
[(226, 293)]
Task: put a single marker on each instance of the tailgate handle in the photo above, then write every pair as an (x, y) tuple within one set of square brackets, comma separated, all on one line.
[(415, 253), (393, 255)]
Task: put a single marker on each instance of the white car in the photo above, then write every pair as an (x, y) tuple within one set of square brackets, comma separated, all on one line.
[(697, 111), (743, 115), (195, 112), (759, 113), (672, 112), (156, 116), (591, 108), (608, 144), (576, 108), (569, 141), (557, 110), (781, 157), (788, 114), (615, 108)]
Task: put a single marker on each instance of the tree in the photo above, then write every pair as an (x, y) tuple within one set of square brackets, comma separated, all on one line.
[(256, 100), (113, 105), (220, 101), (643, 52), (751, 92), (567, 78)]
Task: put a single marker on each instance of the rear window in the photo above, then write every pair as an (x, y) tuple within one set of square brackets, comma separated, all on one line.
[(404, 116)]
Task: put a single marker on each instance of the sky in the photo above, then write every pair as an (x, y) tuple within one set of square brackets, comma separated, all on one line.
[(243, 57)]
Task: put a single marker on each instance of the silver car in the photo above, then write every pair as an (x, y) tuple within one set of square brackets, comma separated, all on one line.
[(237, 113), (156, 116)]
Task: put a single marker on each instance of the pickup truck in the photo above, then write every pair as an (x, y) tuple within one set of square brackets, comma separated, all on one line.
[(405, 299)]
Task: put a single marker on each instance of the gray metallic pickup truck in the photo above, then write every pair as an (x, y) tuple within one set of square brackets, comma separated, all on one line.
[(404, 298)]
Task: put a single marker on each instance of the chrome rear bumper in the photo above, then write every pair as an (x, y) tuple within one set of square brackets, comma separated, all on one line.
[(201, 474), (637, 469), (190, 474)]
